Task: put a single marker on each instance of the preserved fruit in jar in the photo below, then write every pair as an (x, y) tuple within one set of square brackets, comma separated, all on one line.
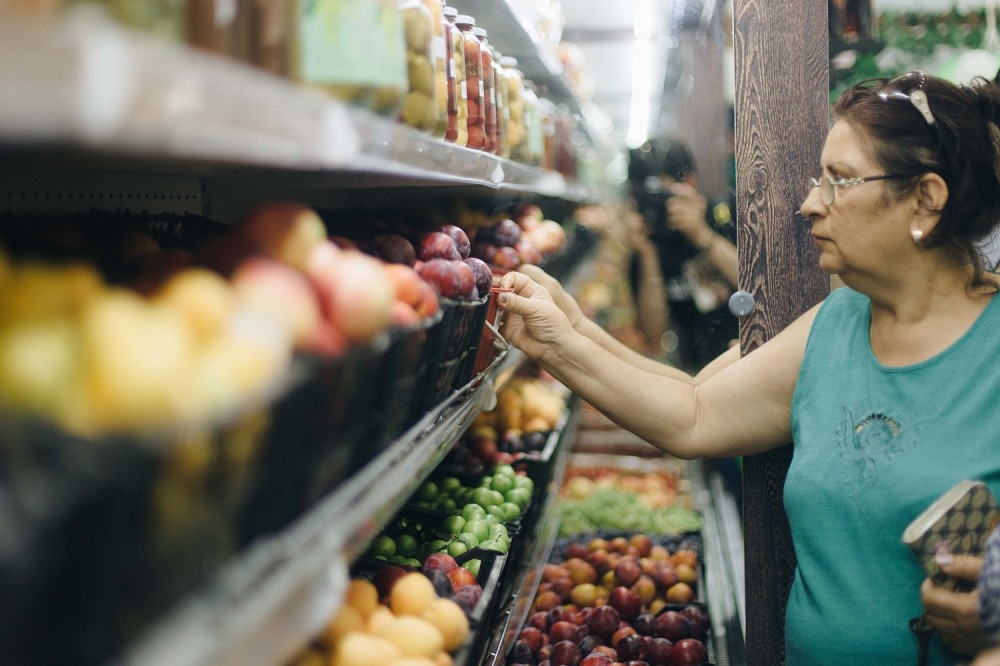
[(473, 81), (353, 49), (458, 109), (516, 137), (489, 104), (420, 105), (442, 55), (503, 117)]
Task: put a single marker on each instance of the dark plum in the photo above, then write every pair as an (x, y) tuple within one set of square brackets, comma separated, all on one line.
[(437, 245), (395, 249), (461, 239)]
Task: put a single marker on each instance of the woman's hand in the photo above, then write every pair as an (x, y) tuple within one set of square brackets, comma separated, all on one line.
[(562, 299), (955, 615), (533, 322)]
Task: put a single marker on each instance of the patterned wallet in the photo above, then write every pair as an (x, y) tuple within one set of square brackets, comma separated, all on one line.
[(959, 522)]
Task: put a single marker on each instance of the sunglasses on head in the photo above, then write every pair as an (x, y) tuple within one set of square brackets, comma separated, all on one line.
[(911, 87)]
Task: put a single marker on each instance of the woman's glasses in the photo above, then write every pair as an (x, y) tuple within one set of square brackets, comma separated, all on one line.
[(911, 87), (828, 185)]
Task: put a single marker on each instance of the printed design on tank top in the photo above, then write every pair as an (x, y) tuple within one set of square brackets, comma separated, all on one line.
[(868, 444)]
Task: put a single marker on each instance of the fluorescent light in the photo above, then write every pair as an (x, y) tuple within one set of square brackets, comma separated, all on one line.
[(638, 122)]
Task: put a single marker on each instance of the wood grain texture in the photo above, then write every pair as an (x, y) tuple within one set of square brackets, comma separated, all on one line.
[(781, 100)]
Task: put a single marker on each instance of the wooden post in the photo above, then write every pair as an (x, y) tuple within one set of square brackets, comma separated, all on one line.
[(782, 111)]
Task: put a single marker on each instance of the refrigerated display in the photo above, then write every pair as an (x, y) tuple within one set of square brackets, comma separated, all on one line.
[(238, 538)]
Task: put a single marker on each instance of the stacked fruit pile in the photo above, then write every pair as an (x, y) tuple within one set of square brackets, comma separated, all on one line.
[(526, 239), (607, 497), (403, 623), (619, 600)]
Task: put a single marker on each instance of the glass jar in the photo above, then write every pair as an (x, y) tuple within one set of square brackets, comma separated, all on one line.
[(534, 145), (441, 56), (503, 115), (473, 81), (352, 49), (420, 105), (516, 136), (550, 129), (458, 109), (489, 104)]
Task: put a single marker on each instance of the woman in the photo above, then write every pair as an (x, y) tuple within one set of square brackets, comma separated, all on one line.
[(887, 388)]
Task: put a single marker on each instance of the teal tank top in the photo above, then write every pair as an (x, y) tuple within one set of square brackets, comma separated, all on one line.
[(873, 446)]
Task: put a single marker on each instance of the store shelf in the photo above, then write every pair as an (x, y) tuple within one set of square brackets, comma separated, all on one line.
[(277, 595), (536, 552), (85, 84)]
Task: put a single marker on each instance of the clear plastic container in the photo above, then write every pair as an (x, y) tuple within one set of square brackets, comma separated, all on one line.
[(489, 104), (550, 130), (473, 81), (420, 105), (441, 54), (458, 108)]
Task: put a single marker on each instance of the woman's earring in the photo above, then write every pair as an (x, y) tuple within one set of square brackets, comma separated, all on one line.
[(917, 235)]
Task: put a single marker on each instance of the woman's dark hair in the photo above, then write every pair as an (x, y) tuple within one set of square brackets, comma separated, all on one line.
[(962, 148)]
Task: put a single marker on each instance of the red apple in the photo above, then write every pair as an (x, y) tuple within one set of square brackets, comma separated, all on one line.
[(688, 652), (658, 652), (506, 257), (603, 621), (280, 291), (533, 638), (442, 275), (460, 238), (698, 619), (395, 249), (626, 602), (467, 281), (285, 230), (672, 625), (565, 653), (461, 577), (483, 274), (437, 245), (442, 562), (356, 294)]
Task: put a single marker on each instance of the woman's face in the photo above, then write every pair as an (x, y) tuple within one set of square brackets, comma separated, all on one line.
[(863, 229)]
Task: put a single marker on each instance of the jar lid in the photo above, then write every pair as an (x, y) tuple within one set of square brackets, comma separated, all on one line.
[(508, 61), (450, 12), (479, 32), (464, 18)]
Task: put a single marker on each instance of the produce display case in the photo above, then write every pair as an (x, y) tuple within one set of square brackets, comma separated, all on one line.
[(108, 119)]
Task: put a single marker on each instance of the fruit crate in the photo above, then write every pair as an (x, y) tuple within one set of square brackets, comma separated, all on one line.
[(450, 352), (316, 437), (481, 616), (396, 386), (102, 536)]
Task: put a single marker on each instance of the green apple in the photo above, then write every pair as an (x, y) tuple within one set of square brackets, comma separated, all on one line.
[(498, 532), (428, 491), (453, 524), (456, 548), (524, 482), (473, 512), (406, 545), (446, 505), (496, 513), (470, 540), (449, 484), (484, 497), (519, 496), (384, 547), (491, 519), (504, 470), (437, 546), (498, 546), (479, 528), (473, 566), (511, 511), (501, 483)]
